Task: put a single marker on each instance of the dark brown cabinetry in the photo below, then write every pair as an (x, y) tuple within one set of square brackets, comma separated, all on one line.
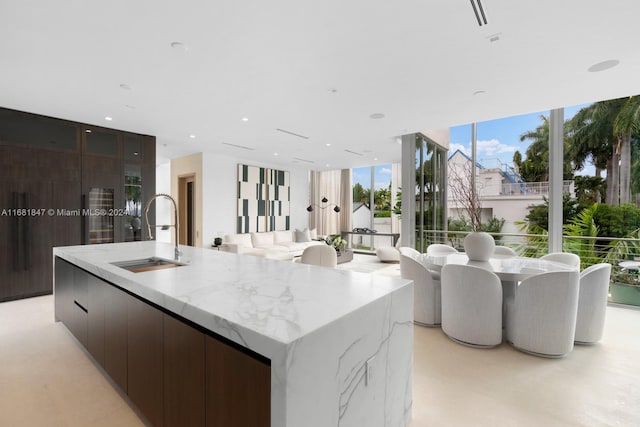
[(238, 387), (184, 374), (34, 183), (115, 334), (71, 304), (95, 318), (48, 169), (176, 373), (144, 359)]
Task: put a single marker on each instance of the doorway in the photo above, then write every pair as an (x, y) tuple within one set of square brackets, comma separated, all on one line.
[(187, 209)]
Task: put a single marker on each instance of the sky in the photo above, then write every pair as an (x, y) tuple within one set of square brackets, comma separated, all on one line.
[(497, 140), (382, 176)]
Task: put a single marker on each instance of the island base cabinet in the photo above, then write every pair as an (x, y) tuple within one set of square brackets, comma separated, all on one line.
[(238, 390), (115, 334), (184, 374), (96, 319), (176, 373), (144, 359), (71, 299)]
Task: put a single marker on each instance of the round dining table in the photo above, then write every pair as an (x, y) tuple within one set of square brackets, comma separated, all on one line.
[(507, 268)]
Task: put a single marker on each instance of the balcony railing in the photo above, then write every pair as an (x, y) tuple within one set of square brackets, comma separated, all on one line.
[(533, 188)]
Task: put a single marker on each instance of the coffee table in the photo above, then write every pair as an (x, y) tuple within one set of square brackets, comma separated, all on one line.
[(345, 256)]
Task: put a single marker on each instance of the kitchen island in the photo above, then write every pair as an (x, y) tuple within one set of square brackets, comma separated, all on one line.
[(335, 346)]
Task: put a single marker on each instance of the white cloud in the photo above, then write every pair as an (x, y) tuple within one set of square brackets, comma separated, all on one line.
[(455, 146), (493, 147), (385, 171), (378, 185)]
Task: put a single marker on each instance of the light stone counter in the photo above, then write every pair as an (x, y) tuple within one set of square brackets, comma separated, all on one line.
[(318, 326)]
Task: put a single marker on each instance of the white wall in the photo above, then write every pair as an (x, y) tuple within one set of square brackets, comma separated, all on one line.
[(220, 195), (163, 211)]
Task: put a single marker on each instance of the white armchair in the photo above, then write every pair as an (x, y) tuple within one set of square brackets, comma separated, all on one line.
[(541, 316), (471, 305), (592, 303), (426, 291)]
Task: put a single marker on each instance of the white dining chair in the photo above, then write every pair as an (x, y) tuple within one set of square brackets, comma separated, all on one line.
[(440, 249), (504, 251), (567, 258), (541, 316), (322, 255), (471, 305), (406, 250), (426, 291), (592, 303)]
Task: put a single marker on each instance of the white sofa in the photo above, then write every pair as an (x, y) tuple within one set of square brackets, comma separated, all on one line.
[(268, 244)]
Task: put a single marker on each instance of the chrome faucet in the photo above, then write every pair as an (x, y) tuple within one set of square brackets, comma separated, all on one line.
[(177, 252)]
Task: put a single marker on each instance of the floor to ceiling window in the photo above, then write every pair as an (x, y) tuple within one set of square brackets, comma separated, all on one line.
[(430, 191), (375, 210)]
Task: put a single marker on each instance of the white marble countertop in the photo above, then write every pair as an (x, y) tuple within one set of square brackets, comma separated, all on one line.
[(262, 304)]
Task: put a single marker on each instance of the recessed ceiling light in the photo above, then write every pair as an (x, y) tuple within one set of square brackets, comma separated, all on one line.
[(87, 130), (604, 65), (192, 136), (135, 153), (275, 154), (178, 45), (377, 116), (327, 165), (494, 37), (245, 119), (375, 158), (125, 86), (108, 118), (328, 145)]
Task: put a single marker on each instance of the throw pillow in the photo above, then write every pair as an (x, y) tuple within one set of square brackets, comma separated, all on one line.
[(302, 235), (313, 234)]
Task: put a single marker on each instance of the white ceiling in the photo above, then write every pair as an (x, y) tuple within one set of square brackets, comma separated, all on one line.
[(315, 68)]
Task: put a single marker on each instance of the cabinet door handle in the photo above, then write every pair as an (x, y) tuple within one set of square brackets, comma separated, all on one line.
[(16, 232), (26, 233)]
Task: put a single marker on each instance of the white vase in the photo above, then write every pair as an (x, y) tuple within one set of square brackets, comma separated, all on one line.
[(479, 246)]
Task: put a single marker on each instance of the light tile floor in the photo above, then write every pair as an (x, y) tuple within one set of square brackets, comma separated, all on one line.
[(47, 379)]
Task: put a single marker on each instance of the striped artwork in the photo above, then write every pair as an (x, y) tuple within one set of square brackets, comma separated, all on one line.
[(263, 199)]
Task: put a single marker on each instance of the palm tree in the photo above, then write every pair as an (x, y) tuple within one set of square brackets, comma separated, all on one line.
[(626, 124), (603, 131), (535, 167)]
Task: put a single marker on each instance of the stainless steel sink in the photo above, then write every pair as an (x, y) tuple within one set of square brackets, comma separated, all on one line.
[(147, 264)]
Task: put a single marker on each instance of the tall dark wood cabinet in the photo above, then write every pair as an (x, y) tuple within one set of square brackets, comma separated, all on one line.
[(49, 169), (39, 171)]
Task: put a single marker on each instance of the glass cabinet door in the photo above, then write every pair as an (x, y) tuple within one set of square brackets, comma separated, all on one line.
[(100, 223), (132, 203)]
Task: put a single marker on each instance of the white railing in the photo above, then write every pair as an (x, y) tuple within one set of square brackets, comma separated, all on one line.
[(534, 188)]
